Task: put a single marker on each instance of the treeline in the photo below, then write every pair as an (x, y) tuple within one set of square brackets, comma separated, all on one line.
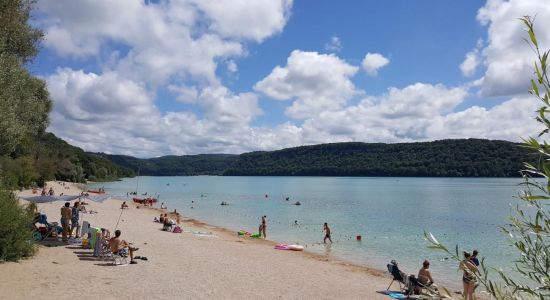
[(185, 165), (46, 157), (445, 158)]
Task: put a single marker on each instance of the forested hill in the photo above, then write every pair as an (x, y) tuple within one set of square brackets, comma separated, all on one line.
[(47, 157), (185, 165), (453, 158)]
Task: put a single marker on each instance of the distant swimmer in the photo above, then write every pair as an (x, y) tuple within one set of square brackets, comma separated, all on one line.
[(287, 198), (327, 233), (297, 203), (266, 195), (224, 203), (295, 222)]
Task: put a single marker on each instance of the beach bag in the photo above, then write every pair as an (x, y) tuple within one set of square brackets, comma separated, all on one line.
[(177, 229)]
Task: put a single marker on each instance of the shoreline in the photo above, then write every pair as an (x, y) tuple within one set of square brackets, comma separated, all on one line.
[(220, 265), (306, 253)]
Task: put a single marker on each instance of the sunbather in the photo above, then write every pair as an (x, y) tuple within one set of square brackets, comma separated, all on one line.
[(121, 247), (424, 275)]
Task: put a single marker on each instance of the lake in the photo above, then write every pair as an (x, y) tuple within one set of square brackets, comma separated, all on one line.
[(389, 213)]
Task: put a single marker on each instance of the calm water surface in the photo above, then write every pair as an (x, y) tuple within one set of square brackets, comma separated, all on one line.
[(391, 214)]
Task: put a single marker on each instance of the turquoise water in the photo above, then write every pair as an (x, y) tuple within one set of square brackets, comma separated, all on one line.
[(391, 214)]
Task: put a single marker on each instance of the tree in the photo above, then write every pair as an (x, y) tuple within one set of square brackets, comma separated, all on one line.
[(529, 227), (24, 99)]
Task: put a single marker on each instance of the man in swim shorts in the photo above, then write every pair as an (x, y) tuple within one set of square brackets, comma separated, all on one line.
[(121, 247), (327, 233), (66, 216)]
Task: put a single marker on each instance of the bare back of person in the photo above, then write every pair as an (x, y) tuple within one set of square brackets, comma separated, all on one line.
[(116, 244), (425, 276)]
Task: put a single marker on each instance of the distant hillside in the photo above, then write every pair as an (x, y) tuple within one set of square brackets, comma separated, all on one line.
[(186, 165), (452, 158), (47, 157)]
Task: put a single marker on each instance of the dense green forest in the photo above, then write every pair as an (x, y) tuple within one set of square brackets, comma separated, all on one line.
[(453, 158), (186, 165), (47, 157)]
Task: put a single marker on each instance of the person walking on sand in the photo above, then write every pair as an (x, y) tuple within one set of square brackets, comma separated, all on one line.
[(263, 227), (327, 233), (66, 216)]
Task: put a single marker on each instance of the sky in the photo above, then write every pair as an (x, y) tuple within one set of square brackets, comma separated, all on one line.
[(153, 78)]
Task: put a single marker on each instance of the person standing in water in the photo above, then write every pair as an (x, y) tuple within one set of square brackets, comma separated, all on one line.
[(327, 233), (263, 227)]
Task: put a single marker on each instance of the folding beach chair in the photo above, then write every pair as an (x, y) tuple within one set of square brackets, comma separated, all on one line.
[(396, 275)]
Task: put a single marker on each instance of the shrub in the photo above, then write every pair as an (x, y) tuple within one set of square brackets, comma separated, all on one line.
[(15, 232)]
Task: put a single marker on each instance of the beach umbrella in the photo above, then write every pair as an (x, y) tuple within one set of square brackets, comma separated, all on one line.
[(45, 199)]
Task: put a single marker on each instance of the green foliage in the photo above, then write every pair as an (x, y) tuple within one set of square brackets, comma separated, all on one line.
[(50, 158), (17, 38), (186, 165), (15, 229), (24, 100), (450, 158), (529, 227)]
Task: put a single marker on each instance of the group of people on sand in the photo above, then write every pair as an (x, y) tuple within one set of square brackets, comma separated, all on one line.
[(469, 266), (50, 192), (70, 219)]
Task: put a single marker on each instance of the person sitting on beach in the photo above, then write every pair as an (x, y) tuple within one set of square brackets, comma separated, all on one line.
[(167, 225), (424, 275), (161, 219), (105, 234), (327, 233), (123, 205), (51, 192), (121, 247), (162, 206)]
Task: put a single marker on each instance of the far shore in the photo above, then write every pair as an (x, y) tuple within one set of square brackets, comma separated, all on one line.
[(203, 262)]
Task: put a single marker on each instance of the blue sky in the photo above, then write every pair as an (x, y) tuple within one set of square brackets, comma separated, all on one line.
[(195, 76)]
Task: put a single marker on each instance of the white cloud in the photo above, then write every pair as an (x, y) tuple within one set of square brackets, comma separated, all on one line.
[(171, 38), (334, 45), (140, 46), (110, 114), (256, 19), (232, 66), (472, 60), (317, 82), (508, 59), (373, 62)]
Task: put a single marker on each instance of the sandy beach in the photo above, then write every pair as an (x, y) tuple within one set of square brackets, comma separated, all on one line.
[(216, 265), (186, 266)]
